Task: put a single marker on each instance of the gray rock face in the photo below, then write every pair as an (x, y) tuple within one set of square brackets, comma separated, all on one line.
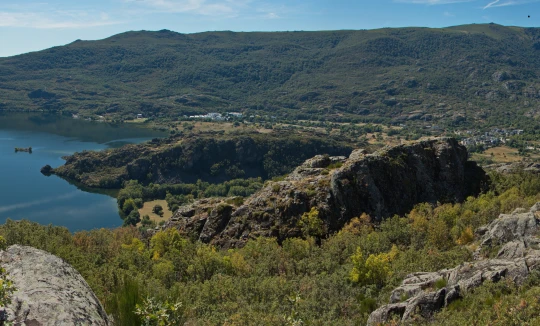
[(516, 232), (49, 291), (519, 226), (410, 82), (381, 184), (500, 76), (506, 168), (393, 180)]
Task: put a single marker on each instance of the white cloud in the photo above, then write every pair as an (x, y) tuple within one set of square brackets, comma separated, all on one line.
[(491, 4), (448, 14), (272, 15), (55, 19), (259, 9), (433, 2), (171, 5), (201, 7), (44, 16), (504, 3), (272, 11)]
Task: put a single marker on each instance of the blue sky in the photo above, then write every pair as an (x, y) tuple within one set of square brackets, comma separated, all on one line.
[(28, 25)]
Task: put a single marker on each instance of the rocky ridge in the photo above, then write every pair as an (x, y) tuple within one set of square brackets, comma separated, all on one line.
[(49, 291), (208, 156), (390, 181), (423, 294), (506, 168)]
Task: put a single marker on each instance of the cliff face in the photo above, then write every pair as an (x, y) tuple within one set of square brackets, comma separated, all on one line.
[(381, 184), (392, 181), (187, 159), (49, 291)]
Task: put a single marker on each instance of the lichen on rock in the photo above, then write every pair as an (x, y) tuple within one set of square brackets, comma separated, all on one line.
[(518, 257), (49, 290)]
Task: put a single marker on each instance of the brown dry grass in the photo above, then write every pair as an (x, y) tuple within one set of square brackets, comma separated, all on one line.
[(147, 210), (501, 154), (142, 120), (265, 131), (212, 126)]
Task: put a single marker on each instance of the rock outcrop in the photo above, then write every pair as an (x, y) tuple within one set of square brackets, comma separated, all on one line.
[(49, 291), (515, 234), (387, 182), (506, 168), (208, 156)]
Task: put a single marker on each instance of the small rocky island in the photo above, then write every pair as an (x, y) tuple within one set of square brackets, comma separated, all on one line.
[(46, 170), (23, 149)]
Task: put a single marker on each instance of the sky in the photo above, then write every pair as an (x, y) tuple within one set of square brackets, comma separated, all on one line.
[(32, 25)]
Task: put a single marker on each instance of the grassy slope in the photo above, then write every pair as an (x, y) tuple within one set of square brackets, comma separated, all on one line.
[(294, 74), (149, 206)]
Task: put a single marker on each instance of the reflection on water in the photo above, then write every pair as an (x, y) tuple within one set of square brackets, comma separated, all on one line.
[(26, 193), (80, 130)]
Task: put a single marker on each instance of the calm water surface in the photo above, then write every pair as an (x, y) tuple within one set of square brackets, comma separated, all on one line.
[(26, 194)]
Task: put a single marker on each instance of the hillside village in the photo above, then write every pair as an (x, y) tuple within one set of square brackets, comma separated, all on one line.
[(488, 139)]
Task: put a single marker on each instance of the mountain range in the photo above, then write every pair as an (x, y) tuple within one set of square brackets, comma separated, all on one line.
[(470, 75)]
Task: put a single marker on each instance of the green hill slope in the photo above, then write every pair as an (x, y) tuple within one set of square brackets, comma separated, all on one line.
[(464, 75)]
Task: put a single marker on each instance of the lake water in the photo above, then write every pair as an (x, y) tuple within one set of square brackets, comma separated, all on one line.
[(27, 194)]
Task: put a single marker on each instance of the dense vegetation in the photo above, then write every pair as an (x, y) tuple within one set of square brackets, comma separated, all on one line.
[(337, 282), (182, 168), (211, 157), (470, 75), (133, 195)]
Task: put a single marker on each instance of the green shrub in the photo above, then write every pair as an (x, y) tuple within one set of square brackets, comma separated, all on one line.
[(335, 165), (122, 304), (440, 283), (236, 201), (158, 210), (311, 224)]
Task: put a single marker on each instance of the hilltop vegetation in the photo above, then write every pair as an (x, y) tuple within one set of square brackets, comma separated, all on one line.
[(459, 76), (182, 167), (212, 157)]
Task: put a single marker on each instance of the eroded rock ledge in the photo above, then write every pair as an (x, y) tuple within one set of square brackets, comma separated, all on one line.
[(516, 234), (387, 182), (49, 290)]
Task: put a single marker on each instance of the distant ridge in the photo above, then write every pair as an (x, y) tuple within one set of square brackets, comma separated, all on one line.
[(460, 75)]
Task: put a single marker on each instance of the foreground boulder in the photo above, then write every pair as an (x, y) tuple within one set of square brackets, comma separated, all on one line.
[(387, 182), (425, 293), (49, 290)]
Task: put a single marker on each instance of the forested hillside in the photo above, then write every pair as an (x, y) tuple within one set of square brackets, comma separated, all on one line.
[(464, 75), (210, 157)]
